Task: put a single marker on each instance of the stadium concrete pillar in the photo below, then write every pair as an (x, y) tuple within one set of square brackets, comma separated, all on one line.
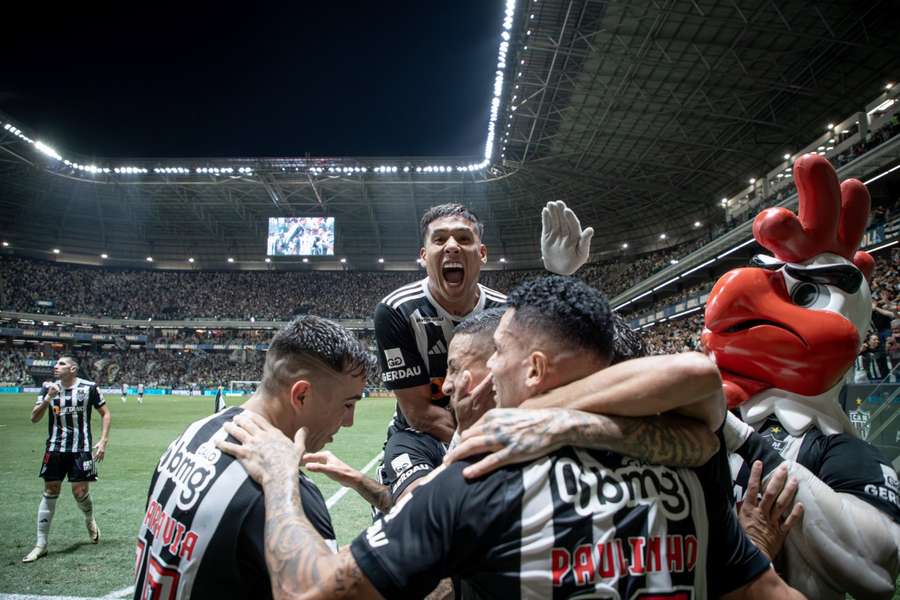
[(863, 119)]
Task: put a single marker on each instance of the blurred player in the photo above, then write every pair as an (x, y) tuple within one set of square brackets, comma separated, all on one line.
[(219, 403), (202, 534), (68, 451), (141, 394), (124, 392)]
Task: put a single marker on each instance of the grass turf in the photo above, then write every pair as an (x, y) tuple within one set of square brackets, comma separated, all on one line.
[(138, 436)]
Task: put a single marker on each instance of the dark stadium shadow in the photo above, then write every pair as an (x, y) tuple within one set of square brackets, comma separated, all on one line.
[(73, 547)]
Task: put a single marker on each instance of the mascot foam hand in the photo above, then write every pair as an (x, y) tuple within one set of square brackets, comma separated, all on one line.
[(564, 245), (842, 544)]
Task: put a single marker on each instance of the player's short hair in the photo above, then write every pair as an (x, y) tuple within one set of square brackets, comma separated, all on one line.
[(484, 321), (565, 309), (309, 341), (449, 210), (627, 343), (71, 359)]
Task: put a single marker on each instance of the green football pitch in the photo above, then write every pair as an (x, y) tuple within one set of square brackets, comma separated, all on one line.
[(138, 436)]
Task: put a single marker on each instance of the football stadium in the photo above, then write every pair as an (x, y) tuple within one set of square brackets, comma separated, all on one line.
[(542, 298)]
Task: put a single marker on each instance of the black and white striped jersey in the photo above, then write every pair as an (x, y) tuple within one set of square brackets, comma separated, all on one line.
[(202, 536), (412, 332), (69, 419), (576, 524)]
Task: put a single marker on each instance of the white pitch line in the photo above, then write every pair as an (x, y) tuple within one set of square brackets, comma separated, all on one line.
[(336, 497), (126, 591), (115, 595)]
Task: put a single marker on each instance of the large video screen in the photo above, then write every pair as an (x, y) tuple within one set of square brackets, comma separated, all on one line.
[(301, 236)]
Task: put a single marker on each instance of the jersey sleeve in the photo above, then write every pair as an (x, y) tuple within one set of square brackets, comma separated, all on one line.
[(852, 466), (447, 525), (401, 364), (409, 456), (732, 559), (95, 397)]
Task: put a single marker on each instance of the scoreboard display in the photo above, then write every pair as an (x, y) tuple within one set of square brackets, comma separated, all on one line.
[(300, 236)]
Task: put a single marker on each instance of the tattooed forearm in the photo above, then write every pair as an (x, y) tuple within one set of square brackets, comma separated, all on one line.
[(664, 439), (300, 564), (444, 591), (374, 493)]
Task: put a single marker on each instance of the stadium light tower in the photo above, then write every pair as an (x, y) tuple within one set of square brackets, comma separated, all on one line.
[(56, 251)]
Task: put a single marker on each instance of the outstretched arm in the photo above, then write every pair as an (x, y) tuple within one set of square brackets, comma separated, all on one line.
[(376, 494), (300, 565), (515, 436), (686, 383)]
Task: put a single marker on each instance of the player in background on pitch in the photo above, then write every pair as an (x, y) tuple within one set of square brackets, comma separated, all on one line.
[(124, 392), (68, 452), (141, 394), (219, 403)]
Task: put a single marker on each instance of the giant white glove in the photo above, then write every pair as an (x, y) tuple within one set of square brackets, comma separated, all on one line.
[(564, 246)]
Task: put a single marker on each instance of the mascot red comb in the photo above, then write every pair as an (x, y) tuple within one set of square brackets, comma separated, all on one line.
[(783, 333)]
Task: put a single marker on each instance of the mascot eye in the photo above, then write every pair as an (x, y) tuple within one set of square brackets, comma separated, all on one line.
[(810, 295)]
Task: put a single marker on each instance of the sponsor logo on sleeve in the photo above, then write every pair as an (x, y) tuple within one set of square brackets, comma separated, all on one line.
[(401, 463), (394, 358)]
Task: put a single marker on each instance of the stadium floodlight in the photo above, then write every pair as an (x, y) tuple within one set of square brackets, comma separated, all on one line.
[(787, 156), (48, 150), (104, 255), (191, 260), (56, 251), (502, 259), (380, 261), (697, 224), (230, 259), (662, 236), (268, 260), (306, 260), (6, 244), (149, 259), (888, 85), (830, 126), (624, 245), (673, 261), (343, 261), (752, 180)]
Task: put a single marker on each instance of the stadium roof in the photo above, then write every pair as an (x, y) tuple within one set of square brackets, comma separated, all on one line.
[(640, 115)]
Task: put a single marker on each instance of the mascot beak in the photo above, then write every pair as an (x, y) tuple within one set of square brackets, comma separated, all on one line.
[(760, 339)]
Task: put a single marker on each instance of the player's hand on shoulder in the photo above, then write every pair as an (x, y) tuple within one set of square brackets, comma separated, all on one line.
[(564, 245), (263, 450), (509, 436)]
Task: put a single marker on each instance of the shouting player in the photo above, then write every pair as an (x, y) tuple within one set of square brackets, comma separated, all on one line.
[(69, 442), (202, 534)]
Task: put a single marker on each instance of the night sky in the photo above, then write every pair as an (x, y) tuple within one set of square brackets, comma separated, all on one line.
[(267, 79)]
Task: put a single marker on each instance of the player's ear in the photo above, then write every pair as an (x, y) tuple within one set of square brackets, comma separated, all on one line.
[(538, 365), (421, 259), (482, 250), (298, 393)]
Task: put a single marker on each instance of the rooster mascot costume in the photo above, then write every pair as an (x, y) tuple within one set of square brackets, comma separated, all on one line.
[(783, 333)]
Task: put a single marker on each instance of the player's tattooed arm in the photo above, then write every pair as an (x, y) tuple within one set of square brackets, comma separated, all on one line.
[(444, 591), (300, 564), (686, 383), (374, 493), (515, 435)]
